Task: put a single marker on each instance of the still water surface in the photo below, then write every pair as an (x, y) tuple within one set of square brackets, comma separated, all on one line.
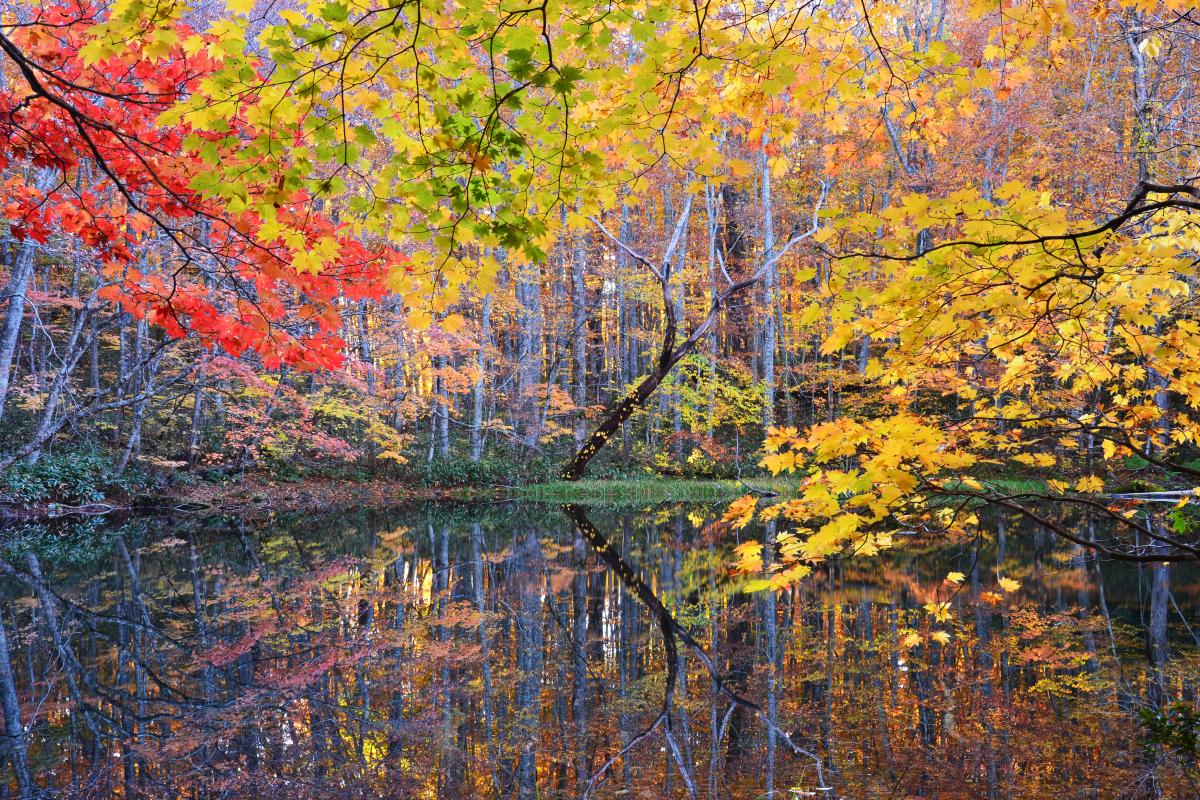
[(457, 651)]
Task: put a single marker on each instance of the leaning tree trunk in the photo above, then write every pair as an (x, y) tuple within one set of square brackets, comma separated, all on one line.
[(623, 411), (670, 355)]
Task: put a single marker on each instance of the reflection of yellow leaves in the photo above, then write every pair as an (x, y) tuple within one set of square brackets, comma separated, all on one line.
[(911, 640), (941, 637), (1009, 585), (956, 577)]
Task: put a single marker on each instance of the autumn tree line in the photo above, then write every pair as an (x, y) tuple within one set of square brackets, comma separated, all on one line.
[(707, 246)]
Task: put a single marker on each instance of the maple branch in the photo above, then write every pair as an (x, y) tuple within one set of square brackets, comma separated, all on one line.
[(1134, 208)]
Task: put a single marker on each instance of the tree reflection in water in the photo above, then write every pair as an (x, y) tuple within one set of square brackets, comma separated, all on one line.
[(462, 652)]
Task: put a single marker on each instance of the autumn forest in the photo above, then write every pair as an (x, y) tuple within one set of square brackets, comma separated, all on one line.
[(620, 399)]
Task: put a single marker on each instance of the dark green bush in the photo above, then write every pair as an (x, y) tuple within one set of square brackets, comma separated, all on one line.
[(492, 471), (84, 475), (1175, 727)]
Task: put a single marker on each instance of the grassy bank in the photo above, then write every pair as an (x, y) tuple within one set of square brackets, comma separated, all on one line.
[(649, 490), (658, 489)]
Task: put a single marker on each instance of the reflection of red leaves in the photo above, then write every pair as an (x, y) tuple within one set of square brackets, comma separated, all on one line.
[(222, 655)]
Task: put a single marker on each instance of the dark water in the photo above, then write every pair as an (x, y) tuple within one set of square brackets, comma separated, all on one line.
[(495, 652)]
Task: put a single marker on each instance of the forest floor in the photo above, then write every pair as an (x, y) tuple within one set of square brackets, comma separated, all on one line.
[(253, 494)]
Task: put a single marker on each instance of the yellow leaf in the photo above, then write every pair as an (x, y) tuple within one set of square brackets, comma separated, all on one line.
[(1009, 585), (941, 637), (740, 511), (739, 168), (940, 611), (453, 323), (911, 640), (780, 462), (956, 577)]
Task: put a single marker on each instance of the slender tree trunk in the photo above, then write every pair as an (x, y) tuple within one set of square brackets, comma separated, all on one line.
[(10, 331), (529, 352), (193, 446), (48, 424), (141, 388), (20, 273), (579, 337), (481, 362), (769, 335)]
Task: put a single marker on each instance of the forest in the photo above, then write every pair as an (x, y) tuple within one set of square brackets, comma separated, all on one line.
[(619, 399)]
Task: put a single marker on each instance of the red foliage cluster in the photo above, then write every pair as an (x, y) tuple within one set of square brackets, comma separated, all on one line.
[(87, 157)]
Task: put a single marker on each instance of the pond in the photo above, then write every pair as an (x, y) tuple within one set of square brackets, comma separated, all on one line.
[(521, 650)]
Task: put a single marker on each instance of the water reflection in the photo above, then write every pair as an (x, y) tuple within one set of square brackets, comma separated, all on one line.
[(507, 651)]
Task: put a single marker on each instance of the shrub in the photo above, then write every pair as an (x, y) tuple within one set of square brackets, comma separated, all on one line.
[(83, 475), (491, 471)]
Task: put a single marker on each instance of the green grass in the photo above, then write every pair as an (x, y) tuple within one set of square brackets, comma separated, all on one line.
[(647, 490), (658, 489), (1012, 484)]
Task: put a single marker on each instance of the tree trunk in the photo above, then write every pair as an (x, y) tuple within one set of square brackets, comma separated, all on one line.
[(485, 323), (579, 337), (10, 333), (23, 260), (769, 334)]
